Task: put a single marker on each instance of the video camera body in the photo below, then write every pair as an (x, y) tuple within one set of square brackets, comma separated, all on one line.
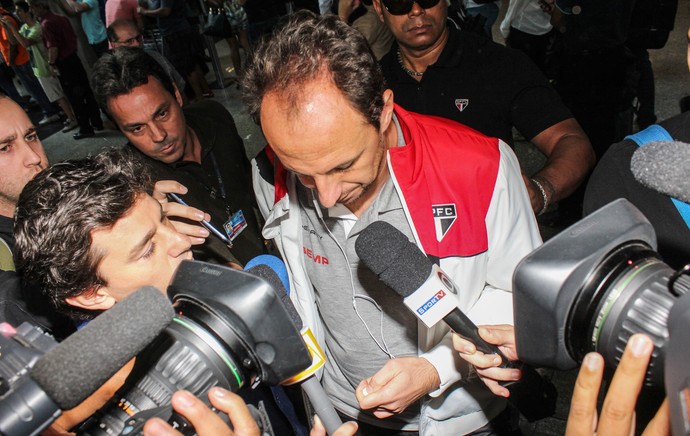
[(594, 285), (21, 396), (230, 329)]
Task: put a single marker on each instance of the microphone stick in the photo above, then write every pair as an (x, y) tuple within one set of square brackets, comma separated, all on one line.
[(269, 269)]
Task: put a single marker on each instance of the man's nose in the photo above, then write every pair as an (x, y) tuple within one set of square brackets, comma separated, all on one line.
[(177, 242), (158, 134), (31, 157), (329, 190), (416, 9)]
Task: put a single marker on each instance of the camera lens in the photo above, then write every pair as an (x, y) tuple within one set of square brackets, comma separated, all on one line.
[(187, 355), (626, 293)]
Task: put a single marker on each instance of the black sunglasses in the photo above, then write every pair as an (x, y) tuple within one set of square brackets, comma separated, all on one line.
[(402, 7)]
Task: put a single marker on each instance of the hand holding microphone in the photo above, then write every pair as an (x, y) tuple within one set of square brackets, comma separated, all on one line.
[(488, 366), (431, 295)]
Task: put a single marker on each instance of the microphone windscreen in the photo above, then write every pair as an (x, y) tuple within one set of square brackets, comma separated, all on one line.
[(664, 166), (275, 264), (267, 273), (78, 366), (393, 258)]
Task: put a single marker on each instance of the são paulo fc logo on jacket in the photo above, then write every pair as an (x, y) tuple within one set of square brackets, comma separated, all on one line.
[(461, 103), (444, 217)]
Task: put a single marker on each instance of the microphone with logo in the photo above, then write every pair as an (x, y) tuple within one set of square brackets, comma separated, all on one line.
[(273, 270), (37, 387), (431, 295)]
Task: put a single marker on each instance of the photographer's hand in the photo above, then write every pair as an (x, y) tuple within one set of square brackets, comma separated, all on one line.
[(486, 365), (175, 211), (618, 412), (204, 420)]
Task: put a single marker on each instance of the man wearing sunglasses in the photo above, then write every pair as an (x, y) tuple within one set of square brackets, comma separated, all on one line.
[(437, 70)]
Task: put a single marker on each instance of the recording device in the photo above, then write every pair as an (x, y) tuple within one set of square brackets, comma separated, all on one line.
[(230, 329), (432, 296), (664, 166), (40, 378), (594, 285), (308, 381)]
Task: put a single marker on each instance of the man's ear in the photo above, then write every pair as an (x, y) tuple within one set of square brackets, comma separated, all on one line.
[(379, 10), (178, 95), (386, 111), (93, 299)]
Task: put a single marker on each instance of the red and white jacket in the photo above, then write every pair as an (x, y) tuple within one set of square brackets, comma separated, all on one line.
[(467, 205)]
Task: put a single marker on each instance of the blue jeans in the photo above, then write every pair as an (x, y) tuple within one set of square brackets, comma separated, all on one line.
[(33, 87)]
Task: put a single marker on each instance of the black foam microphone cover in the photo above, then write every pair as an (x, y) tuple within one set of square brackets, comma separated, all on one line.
[(664, 166), (267, 273), (78, 366), (397, 262)]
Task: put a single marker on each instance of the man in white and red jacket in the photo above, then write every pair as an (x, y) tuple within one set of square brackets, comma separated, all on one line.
[(342, 155)]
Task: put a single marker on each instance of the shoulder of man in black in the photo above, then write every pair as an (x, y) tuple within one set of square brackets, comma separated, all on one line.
[(225, 157), (210, 109), (613, 179), (481, 84)]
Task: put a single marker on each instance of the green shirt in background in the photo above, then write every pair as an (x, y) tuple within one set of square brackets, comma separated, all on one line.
[(37, 51)]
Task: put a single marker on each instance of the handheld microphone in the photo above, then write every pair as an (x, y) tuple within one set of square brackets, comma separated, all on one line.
[(664, 167), (273, 263), (426, 290), (432, 296), (273, 270), (74, 369)]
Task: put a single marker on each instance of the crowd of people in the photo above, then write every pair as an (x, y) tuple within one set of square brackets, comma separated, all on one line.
[(393, 115), (47, 51)]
